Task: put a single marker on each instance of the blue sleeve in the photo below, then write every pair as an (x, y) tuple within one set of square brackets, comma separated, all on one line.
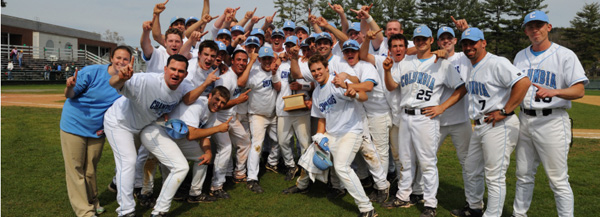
[(84, 78)]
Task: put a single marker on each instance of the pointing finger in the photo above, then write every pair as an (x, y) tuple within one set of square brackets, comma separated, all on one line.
[(274, 13), (236, 9), (215, 17), (355, 11), (166, 2), (370, 6), (214, 71), (331, 6), (132, 61), (75, 76), (453, 20), (228, 120), (254, 10), (246, 93)]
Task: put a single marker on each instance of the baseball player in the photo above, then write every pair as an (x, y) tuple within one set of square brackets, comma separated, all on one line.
[(421, 80), (174, 153), (146, 96), (455, 121), (261, 107), (495, 88), (545, 132), (332, 104), (377, 119), (292, 122), (236, 135)]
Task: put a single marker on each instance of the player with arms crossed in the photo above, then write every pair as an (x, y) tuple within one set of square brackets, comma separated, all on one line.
[(421, 79), (495, 89), (557, 77)]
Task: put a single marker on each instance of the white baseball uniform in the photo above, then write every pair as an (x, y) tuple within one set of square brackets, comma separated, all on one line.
[(421, 83), (198, 77), (344, 133), (298, 121), (455, 120), (545, 132), (158, 60), (236, 135), (489, 85), (146, 97), (261, 110), (175, 153)]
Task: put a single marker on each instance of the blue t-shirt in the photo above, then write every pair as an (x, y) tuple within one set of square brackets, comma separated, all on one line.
[(83, 114)]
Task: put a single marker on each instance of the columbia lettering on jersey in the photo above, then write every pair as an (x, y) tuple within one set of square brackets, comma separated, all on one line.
[(542, 77), (267, 83), (161, 108), (477, 88), (326, 106), (419, 77)]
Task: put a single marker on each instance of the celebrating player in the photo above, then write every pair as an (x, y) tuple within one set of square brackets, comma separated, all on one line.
[(545, 132), (495, 88)]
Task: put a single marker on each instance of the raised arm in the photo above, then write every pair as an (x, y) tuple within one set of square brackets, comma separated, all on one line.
[(294, 64), (198, 25), (187, 46), (156, 31), (242, 80), (192, 96), (145, 42), (390, 84), (340, 11), (71, 81), (312, 19), (247, 17), (364, 47), (322, 22), (118, 81)]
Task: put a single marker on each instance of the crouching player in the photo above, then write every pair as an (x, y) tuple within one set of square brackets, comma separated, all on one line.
[(174, 152)]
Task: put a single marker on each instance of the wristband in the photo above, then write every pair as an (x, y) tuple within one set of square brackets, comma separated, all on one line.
[(276, 79), (356, 96), (306, 87), (370, 19)]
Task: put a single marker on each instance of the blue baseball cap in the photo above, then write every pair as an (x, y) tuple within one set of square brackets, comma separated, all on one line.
[(312, 36), (190, 19), (473, 34), (445, 29), (350, 44), (302, 27), (238, 50), (332, 24), (265, 52), (224, 31), (291, 39), (277, 32), (252, 40), (257, 31), (289, 25), (422, 31), (324, 35), (237, 28), (176, 129), (536, 15), (222, 46), (354, 26), (304, 43), (175, 19)]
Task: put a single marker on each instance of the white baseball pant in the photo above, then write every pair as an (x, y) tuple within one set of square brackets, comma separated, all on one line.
[(301, 127), (344, 149), (258, 126), (418, 145), (544, 139), (379, 129), (394, 146), (139, 166), (173, 154), (461, 136), (238, 136), (489, 156), (124, 144)]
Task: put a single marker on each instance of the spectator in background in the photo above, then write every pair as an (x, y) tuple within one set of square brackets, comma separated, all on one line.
[(13, 54), (10, 68), (20, 58), (47, 72)]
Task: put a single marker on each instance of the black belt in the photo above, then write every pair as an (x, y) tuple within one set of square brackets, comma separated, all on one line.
[(413, 111), (545, 112), (477, 122)]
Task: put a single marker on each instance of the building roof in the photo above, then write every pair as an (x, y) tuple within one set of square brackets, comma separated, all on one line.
[(48, 28)]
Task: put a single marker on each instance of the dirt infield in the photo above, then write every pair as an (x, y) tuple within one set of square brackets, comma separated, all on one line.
[(57, 101), (33, 100), (592, 100)]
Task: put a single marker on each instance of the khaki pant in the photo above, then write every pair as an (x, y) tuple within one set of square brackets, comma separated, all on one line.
[(81, 155)]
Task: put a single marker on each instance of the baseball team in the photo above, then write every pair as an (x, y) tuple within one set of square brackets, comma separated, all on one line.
[(384, 104)]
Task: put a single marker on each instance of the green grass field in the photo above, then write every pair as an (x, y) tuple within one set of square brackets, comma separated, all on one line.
[(33, 180)]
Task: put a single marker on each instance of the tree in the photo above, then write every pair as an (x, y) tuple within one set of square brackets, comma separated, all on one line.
[(583, 35), (113, 37)]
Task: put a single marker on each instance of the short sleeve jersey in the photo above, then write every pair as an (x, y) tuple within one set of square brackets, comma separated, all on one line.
[(196, 115), (377, 104), (146, 97), (229, 81), (261, 98), (458, 112), (556, 68), (330, 103), (421, 83), (489, 85), (393, 97), (198, 77)]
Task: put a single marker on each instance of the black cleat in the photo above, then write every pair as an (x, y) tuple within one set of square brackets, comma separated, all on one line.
[(428, 212), (291, 173), (395, 203), (220, 194), (202, 198), (272, 168), (466, 211), (294, 190), (254, 187), (371, 213), (336, 193)]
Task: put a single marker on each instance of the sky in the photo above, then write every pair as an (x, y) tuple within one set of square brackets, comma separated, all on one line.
[(126, 16)]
